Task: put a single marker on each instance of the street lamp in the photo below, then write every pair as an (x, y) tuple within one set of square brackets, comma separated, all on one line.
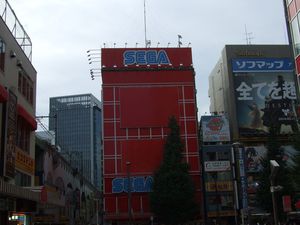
[(274, 170), (129, 191)]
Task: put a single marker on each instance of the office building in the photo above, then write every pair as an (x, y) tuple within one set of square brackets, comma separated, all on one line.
[(17, 124), (254, 86), (76, 122), (141, 89)]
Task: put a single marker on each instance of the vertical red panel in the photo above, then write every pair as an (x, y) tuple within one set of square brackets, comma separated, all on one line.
[(298, 64)]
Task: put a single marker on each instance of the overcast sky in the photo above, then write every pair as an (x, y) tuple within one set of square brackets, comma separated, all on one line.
[(63, 30)]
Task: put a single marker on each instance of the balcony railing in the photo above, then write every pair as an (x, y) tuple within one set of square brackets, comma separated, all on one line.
[(9, 17)]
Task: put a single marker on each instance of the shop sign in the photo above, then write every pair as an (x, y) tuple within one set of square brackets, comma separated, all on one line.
[(11, 136), (221, 213), (24, 162), (262, 64), (43, 218), (137, 184), (213, 166), (145, 57), (221, 186)]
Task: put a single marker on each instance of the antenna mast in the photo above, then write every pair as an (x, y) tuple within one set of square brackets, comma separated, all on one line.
[(248, 36), (145, 24)]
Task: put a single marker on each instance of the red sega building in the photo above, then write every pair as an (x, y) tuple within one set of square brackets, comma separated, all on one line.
[(141, 89)]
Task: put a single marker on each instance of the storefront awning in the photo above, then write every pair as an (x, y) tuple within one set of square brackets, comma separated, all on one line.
[(26, 116)]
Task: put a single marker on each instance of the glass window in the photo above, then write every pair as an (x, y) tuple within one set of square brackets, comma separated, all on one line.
[(2, 54), (296, 35), (22, 179)]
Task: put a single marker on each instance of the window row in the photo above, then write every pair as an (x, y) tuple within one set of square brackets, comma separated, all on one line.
[(25, 86)]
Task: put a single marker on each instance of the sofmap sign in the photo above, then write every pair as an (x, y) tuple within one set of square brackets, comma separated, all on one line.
[(145, 57), (265, 64), (137, 184)]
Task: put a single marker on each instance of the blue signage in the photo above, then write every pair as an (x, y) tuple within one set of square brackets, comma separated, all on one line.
[(240, 158), (137, 184), (262, 65), (145, 57)]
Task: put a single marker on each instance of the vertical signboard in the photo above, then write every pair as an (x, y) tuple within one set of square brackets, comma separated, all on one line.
[(11, 136), (242, 178), (265, 95)]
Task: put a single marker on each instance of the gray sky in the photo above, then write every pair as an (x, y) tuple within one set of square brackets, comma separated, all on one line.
[(63, 30)]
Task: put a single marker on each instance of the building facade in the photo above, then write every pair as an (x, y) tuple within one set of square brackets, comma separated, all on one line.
[(292, 9), (141, 89), (256, 88), (66, 196), (76, 122), (17, 124)]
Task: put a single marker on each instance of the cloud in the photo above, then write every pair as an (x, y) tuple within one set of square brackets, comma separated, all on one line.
[(62, 31)]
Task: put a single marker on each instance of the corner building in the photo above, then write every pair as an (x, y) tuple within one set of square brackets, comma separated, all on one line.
[(141, 89)]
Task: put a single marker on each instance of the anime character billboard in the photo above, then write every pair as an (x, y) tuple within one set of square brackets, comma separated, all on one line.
[(265, 96)]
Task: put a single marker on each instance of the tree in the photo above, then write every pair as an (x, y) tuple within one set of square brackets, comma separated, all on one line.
[(283, 178), (172, 199)]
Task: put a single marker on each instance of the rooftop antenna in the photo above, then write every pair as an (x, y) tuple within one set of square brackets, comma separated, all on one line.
[(145, 24), (179, 40), (249, 36)]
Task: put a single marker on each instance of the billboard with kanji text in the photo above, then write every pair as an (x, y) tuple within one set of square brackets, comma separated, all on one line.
[(265, 96)]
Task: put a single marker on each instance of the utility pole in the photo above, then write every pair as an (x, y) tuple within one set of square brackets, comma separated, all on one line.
[(129, 192)]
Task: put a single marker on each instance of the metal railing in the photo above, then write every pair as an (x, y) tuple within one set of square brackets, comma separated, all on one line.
[(9, 17)]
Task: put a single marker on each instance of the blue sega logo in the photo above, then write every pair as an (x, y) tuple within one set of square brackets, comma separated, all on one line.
[(145, 57)]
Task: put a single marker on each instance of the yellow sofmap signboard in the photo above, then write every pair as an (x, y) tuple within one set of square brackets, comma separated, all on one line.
[(221, 186), (24, 162)]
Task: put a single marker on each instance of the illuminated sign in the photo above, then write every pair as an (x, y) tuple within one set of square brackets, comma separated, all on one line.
[(212, 166), (137, 184), (219, 186), (145, 57)]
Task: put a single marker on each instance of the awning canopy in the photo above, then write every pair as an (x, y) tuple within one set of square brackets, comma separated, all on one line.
[(26, 116)]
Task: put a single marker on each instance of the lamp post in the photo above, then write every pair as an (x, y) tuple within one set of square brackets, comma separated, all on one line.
[(274, 170), (129, 191)]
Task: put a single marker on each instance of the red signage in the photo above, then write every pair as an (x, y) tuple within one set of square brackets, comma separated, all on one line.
[(145, 57), (44, 195), (287, 205)]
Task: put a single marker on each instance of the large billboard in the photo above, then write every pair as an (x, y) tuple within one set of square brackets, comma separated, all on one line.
[(265, 96)]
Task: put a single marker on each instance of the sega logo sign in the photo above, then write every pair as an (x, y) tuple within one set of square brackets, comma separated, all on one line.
[(145, 57), (137, 184)]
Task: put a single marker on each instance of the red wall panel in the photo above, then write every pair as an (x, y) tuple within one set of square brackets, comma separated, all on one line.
[(109, 129), (110, 204), (148, 107), (144, 155), (108, 111)]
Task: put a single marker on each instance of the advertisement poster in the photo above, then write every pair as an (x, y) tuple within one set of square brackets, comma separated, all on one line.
[(254, 155), (215, 129), (265, 95)]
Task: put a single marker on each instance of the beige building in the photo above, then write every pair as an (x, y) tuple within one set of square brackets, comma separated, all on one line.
[(17, 119)]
